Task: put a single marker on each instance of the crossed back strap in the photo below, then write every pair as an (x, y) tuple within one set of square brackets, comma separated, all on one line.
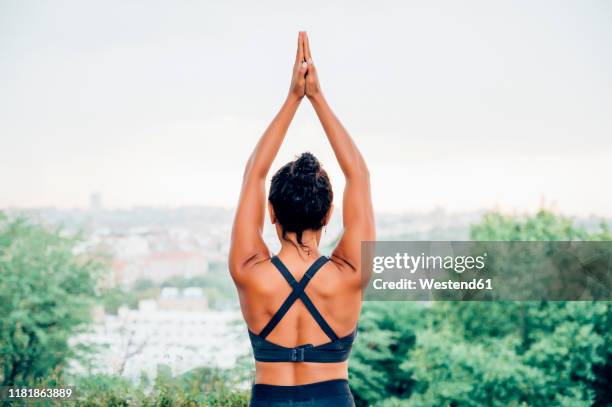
[(298, 292)]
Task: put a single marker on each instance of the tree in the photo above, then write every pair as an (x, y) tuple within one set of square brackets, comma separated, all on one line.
[(47, 289), (502, 353), (537, 353)]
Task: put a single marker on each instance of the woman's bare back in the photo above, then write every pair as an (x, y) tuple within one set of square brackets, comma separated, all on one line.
[(334, 292)]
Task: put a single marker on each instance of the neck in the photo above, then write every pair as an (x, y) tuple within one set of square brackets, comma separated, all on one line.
[(307, 250)]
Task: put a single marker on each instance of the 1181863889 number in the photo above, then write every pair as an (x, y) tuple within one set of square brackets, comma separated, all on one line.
[(14, 393)]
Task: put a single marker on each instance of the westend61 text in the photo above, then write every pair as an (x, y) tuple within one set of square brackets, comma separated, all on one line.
[(432, 284)]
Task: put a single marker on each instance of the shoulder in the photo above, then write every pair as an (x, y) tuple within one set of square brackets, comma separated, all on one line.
[(244, 271), (344, 269)]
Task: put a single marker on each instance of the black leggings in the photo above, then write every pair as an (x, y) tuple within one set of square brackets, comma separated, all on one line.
[(330, 393)]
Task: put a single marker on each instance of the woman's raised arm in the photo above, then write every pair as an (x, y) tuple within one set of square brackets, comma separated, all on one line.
[(247, 244), (357, 211)]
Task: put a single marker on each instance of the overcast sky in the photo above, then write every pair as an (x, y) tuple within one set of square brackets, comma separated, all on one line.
[(462, 105)]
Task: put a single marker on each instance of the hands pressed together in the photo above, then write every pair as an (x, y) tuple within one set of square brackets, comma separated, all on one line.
[(305, 81)]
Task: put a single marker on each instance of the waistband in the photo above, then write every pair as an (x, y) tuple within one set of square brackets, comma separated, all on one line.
[(312, 391)]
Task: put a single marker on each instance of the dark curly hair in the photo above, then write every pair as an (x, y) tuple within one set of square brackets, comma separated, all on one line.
[(301, 195)]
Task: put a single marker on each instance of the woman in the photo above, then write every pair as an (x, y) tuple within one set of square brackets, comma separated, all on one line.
[(301, 325)]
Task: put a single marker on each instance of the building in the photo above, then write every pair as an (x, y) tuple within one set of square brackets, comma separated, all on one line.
[(164, 332)]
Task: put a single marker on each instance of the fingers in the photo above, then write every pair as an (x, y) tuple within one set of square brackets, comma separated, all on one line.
[(299, 57), (307, 55)]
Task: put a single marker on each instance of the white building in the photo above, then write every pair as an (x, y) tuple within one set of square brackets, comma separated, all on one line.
[(139, 340)]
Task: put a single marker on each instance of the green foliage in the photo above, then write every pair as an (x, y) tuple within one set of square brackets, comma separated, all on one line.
[(544, 225), (198, 387), (105, 390), (451, 371), (386, 333), (47, 289), (544, 353), (489, 353)]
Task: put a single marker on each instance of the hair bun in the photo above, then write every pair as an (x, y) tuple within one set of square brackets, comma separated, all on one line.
[(301, 195), (306, 164)]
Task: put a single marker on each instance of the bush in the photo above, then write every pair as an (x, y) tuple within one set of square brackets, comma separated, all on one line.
[(198, 387)]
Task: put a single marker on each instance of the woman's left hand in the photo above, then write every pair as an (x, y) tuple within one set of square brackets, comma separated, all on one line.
[(313, 87)]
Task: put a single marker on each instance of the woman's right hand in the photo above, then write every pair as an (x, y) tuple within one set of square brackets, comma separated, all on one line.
[(313, 87), (298, 80)]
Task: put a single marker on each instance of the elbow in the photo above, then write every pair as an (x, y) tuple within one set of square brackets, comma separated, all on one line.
[(361, 168), (366, 172), (360, 172), (251, 170), (247, 168)]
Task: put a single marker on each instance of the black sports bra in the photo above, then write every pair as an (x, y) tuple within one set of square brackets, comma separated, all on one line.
[(337, 350)]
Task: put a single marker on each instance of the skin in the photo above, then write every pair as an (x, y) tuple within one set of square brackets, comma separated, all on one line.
[(336, 289)]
